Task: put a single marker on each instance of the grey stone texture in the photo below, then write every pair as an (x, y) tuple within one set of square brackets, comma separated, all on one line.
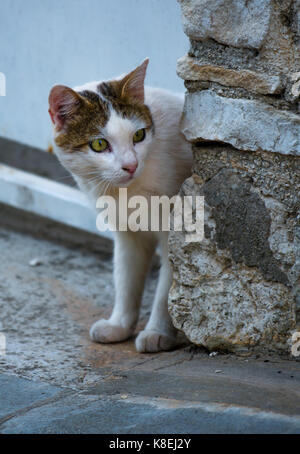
[(233, 291), (267, 31), (238, 289), (245, 124), (239, 23)]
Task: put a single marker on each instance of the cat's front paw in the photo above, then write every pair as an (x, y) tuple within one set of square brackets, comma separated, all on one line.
[(104, 331), (150, 341)]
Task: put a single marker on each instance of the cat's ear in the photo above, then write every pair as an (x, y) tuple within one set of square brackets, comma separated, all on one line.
[(133, 83), (63, 105)]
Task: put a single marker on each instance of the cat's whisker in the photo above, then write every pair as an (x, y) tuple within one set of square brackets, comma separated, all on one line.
[(88, 174), (99, 186), (106, 186)]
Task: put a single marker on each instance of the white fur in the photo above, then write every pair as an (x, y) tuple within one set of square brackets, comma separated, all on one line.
[(164, 161)]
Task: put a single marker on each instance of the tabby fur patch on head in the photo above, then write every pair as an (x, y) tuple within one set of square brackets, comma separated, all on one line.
[(114, 112)]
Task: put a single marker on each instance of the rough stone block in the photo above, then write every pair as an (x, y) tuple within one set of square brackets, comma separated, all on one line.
[(239, 23), (189, 69), (236, 290), (243, 123)]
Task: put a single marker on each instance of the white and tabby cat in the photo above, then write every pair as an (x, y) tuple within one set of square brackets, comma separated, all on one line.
[(118, 134)]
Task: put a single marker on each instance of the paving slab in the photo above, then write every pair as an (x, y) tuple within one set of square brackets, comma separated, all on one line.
[(130, 415), (17, 394)]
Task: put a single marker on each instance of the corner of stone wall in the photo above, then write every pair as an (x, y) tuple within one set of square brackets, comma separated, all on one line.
[(238, 289)]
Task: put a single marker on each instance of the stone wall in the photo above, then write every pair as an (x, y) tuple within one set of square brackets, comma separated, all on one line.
[(238, 289)]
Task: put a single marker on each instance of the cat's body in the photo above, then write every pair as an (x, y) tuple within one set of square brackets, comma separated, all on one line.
[(154, 164)]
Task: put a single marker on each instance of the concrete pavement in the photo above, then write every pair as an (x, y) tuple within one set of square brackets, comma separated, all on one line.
[(55, 380)]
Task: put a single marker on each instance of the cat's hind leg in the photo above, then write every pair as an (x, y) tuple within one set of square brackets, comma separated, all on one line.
[(132, 255)]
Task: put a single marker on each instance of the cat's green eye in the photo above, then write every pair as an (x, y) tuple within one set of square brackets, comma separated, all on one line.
[(99, 145), (139, 136)]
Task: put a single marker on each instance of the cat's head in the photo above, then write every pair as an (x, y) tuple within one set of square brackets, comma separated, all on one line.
[(103, 134)]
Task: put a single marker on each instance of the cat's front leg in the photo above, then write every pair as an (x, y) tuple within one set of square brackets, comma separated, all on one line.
[(159, 333), (132, 254)]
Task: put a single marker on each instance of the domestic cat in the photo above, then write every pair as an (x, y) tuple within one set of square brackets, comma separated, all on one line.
[(118, 134)]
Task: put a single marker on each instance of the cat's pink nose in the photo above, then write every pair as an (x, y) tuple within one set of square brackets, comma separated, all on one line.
[(131, 168)]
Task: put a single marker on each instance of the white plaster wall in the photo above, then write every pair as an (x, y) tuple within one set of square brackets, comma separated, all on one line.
[(44, 42)]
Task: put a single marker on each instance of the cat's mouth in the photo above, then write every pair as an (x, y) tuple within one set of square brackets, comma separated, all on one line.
[(128, 177), (126, 180)]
